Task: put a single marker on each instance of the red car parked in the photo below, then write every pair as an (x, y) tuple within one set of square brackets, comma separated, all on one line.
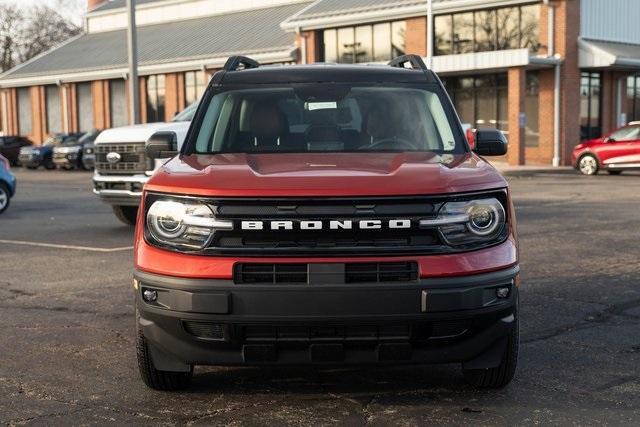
[(614, 153)]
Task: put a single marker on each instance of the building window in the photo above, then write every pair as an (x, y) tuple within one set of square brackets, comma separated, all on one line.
[(531, 110), (633, 98), (84, 102), (118, 103), (155, 98), (487, 30), (590, 93), (24, 111), (195, 83), (481, 101), (54, 119), (365, 43)]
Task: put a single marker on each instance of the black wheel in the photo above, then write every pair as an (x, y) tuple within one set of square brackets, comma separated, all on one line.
[(48, 164), (153, 378), (126, 214), (588, 165), (614, 172), (502, 374), (32, 167), (4, 197)]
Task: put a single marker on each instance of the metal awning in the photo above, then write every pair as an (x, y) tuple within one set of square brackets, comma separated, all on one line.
[(494, 61), (607, 54)]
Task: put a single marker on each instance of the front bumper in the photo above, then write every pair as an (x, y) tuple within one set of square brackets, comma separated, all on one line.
[(119, 190), (29, 160), (65, 160), (217, 322)]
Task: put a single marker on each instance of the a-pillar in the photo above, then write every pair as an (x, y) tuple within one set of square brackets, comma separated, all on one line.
[(516, 82)]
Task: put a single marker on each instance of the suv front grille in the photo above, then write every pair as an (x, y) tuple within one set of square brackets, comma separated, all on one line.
[(369, 272), (132, 159)]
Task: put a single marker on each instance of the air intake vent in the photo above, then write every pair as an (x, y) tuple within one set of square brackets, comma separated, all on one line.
[(374, 272), (204, 330)]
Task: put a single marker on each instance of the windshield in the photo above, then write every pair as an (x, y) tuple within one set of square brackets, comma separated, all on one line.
[(186, 115), (327, 118)]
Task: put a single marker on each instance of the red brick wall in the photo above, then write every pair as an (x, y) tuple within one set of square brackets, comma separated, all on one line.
[(416, 36), (543, 153), (566, 35), (516, 89)]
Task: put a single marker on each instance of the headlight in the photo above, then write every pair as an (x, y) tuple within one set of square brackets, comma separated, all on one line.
[(88, 150), (469, 222), (183, 224)]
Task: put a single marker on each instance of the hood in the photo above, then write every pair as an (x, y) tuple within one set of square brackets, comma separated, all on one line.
[(140, 133), (325, 174)]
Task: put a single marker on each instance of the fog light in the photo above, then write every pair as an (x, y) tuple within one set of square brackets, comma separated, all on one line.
[(502, 292), (149, 295)]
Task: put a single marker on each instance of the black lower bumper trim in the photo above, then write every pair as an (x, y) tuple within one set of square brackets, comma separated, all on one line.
[(216, 322)]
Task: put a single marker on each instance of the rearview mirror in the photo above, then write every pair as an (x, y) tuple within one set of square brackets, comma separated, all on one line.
[(490, 142), (162, 145)]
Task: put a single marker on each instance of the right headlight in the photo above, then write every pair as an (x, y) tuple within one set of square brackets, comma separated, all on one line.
[(183, 224), (469, 222)]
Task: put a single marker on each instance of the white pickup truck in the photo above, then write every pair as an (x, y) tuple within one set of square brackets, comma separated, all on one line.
[(121, 166)]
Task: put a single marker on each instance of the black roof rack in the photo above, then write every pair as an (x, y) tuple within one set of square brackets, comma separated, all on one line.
[(415, 61), (235, 63)]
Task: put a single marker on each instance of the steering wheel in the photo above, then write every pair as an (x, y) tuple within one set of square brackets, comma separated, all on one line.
[(390, 144)]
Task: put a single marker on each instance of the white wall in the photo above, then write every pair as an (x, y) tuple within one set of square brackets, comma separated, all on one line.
[(172, 10), (611, 20)]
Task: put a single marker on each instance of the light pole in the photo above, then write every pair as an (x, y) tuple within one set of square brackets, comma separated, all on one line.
[(132, 47)]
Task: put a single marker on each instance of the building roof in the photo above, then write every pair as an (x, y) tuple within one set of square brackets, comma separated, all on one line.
[(116, 4), (335, 13), (323, 12), (191, 43), (608, 54)]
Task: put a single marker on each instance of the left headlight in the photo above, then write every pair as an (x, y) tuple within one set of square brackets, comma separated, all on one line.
[(469, 222), (183, 224)]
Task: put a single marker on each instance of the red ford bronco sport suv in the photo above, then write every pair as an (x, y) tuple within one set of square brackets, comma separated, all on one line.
[(326, 214)]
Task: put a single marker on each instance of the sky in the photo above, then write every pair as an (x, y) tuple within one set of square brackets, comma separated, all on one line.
[(72, 9)]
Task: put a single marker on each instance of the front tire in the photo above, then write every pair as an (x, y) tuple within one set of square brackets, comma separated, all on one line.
[(153, 378), (502, 374), (5, 199), (126, 214), (588, 165)]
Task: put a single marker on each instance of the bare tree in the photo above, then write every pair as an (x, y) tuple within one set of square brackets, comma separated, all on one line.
[(27, 33), (11, 21), (44, 28)]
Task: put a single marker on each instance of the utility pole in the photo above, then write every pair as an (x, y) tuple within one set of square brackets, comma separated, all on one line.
[(132, 47), (429, 33)]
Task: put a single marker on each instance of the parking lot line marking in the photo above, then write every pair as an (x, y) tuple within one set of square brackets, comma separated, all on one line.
[(56, 246)]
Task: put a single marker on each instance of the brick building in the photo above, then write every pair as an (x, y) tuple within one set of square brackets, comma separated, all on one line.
[(548, 73)]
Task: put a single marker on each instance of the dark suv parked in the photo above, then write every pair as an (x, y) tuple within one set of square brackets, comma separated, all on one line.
[(69, 155), (34, 156), (10, 147)]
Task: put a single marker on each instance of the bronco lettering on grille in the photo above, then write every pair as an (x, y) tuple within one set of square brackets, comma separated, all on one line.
[(365, 224)]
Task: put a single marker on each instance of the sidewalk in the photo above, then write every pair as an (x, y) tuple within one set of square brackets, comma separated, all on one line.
[(529, 170)]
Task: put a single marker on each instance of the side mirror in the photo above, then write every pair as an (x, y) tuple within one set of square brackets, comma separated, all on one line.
[(490, 142), (162, 145)]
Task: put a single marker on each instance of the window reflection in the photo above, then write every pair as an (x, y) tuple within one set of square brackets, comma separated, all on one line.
[(442, 38), (508, 28), (481, 101), (330, 46), (590, 126), (531, 110), (463, 33), (365, 43), (487, 30)]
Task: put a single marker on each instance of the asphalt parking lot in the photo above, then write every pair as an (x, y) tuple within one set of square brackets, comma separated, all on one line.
[(67, 336)]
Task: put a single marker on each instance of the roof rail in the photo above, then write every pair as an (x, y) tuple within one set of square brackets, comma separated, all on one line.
[(415, 61), (235, 63)]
